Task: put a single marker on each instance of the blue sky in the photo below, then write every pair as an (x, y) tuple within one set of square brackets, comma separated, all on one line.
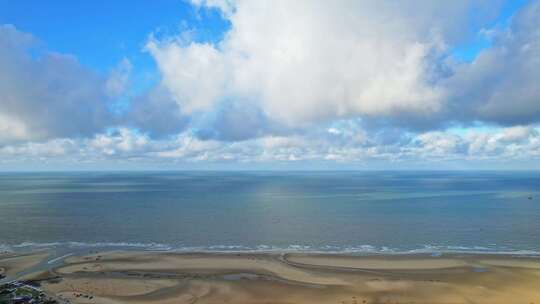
[(254, 84), (101, 33), (469, 49)]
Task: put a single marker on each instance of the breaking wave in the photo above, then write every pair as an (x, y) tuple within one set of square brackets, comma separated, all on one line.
[(293, 248)]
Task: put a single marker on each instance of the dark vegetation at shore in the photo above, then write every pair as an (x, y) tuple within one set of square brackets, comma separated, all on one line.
[(24, 293)]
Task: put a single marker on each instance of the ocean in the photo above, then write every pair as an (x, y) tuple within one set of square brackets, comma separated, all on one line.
[(348, 212)]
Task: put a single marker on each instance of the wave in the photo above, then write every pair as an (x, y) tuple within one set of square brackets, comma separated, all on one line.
[(150, 246), (434, 250)]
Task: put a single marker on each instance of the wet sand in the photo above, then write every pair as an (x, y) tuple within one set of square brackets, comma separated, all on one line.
[(158, 277), (11, 264)]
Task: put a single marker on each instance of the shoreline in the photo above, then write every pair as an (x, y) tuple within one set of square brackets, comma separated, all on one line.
[(208, 277), (362, 250)]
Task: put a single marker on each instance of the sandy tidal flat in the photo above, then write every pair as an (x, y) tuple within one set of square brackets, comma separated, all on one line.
[(145, 277), (11, 264)]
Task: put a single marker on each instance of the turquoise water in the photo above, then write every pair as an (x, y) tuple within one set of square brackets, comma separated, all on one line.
[(363, 212)]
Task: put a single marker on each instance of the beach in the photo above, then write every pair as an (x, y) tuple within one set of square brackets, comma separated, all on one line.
[(11, 263), (172, 277)]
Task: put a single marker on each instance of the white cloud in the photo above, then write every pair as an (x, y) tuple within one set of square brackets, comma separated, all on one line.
[(12, 129), (127, 145), (226, 6), (194, 74), (517, 134), (501, 85), (123, 141), (303, 62), (51, 149), (46, 95), (291, 81), (186, 147), (307, 62)]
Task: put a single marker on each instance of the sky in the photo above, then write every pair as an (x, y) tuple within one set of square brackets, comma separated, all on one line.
[(285, 85)]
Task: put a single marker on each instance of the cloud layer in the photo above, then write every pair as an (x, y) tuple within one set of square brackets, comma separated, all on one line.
[(44, 94), (306, 62), (342, 82), (501, 85), (348, 146)]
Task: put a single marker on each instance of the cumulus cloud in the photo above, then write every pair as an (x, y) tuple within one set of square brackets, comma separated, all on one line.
[(226, 6), (235, 121), (347, 146), (48, 95), (305, 63), (501, 84), (194, 74), (156, 113)]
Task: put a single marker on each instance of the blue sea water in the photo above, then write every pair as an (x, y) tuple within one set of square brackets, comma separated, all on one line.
[(354, 212)]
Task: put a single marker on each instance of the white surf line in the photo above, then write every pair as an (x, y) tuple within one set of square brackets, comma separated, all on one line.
[(60, 258)]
